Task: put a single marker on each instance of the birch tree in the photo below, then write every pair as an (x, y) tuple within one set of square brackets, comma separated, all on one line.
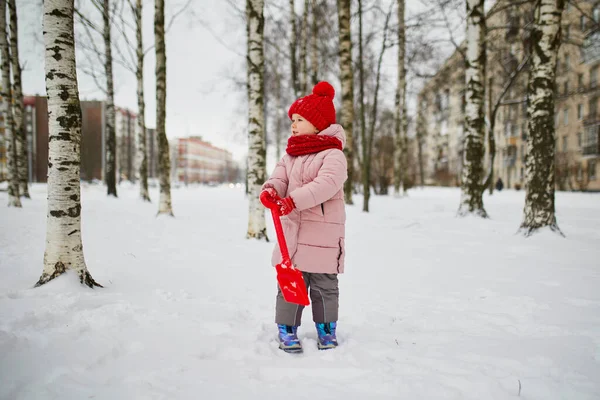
[(256, 134), (19, 130), (471, 200), (164, 159), (545, 41), (110, 172), (142, 153), (347, 81), (401, 118), (9, 132), (64, 249)]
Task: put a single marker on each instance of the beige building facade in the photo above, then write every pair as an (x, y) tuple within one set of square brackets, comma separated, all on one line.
[(577, 117)]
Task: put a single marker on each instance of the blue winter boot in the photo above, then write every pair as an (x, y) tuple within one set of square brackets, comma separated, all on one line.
[(288, 339), (326, 335)]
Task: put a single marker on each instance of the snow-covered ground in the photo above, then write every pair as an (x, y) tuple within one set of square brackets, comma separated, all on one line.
[(432, 306)]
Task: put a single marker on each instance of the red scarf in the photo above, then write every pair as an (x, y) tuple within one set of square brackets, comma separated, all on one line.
[(308, 144)]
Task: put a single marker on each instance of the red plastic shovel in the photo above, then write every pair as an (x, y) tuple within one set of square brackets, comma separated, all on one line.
[(289, 277)]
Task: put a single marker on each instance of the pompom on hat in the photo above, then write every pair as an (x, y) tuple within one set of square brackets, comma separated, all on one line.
[(317, 107)]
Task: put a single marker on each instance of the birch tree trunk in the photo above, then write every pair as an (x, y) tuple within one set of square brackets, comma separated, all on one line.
[(314, 44), (293, 47), (363, 129), (256, 134), (401, 119), (64, 249), (14, 199), (539, 165), (303, 49), (19, 130), (110, 170), (347, 80), (142, 153), (471, 201), (164, 159)]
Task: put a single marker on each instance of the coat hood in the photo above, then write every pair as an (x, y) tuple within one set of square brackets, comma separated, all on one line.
[(335, 130)]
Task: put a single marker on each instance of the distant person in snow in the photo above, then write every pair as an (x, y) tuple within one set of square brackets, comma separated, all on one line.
[(499, 185), (307, 188)]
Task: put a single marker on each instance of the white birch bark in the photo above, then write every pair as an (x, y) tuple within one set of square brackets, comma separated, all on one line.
[(19, 130), (256, 133), (142, 153), (64, 249), (545, 39), (164, 201), (110, 173), (471, 200), (347, 82), (401, 119), (6, 101)]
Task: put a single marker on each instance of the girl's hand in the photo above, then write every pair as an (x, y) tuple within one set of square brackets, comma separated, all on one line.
[(269, 198), (286, 206)]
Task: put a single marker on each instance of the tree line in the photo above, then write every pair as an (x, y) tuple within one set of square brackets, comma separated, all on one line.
[(353, 57)]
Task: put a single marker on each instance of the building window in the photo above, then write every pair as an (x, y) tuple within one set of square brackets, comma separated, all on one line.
[(579, 112), (567, 62), (567, 31), (564, 144), (566, 117), (594, 76), (579, 139), (579, 172), (593, 108), (580, 81), (566, 87), (592, 170), (582, 23), (596, 14)]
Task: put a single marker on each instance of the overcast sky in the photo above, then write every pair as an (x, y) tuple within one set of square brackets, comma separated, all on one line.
[(205, 57), (201, 96)]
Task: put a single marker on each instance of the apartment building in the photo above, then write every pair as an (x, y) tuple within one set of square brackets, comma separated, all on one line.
[(441, 103), (197, 161)]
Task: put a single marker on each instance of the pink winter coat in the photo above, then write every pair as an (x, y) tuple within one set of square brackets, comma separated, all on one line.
[(315, 229)]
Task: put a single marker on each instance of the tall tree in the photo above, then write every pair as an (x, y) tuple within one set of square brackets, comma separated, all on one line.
[(367, 137), (256, 133), (401, 118), (110, 169), (164, 159), (471, 199), (303, 49), (293, 49), (64, 249), (314, 44), (9, 132), (19, 129), (539, 166), (142, 153), (347, 80)]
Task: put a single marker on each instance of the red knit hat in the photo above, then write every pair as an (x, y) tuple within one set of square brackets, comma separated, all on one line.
[(317, 107)]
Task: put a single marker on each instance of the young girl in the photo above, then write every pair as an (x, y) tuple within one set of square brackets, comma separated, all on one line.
[(306, 188)]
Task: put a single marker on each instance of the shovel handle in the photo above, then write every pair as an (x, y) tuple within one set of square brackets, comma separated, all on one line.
[(280, 236)]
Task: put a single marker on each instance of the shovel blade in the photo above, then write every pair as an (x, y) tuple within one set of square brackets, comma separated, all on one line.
[(292, 285)]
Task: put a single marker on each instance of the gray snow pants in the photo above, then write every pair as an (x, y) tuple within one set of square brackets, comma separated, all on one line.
[(324, 296)]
